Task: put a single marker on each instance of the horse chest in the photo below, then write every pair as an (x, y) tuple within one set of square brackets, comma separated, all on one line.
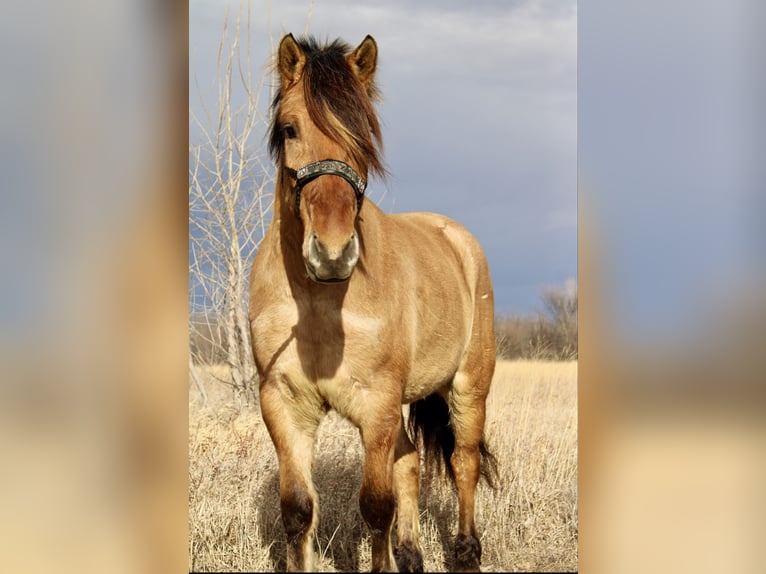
[(334, 358), (316, 342), (344, 339)]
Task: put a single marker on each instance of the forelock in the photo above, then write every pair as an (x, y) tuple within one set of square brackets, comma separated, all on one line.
[(337, 103)]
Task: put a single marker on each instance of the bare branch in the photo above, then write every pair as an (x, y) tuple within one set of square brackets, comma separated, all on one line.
[(230, 197)]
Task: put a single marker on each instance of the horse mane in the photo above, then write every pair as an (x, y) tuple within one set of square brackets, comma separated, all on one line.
[(337, 102)]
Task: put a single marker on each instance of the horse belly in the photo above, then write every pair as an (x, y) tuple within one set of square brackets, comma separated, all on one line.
[(439, 339), (430, 372)]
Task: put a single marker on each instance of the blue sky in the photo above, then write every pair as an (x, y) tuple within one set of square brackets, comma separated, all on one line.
[(479, 117), (671, 159)]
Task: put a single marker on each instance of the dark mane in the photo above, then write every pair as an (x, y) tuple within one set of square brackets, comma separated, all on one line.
[(337, 103)]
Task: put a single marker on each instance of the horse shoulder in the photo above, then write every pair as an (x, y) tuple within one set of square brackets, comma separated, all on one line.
[(272, 310)]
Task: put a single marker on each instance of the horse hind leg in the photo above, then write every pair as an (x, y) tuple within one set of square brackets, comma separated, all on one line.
[(408, 553), (293, 439), (467, 414)]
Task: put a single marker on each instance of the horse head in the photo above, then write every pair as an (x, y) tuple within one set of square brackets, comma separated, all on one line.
[(326, 140)]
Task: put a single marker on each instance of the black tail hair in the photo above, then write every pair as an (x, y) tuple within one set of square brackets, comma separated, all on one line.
[(429, 427)]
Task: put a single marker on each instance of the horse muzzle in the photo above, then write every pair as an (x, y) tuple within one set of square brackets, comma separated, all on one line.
[(326, 264)]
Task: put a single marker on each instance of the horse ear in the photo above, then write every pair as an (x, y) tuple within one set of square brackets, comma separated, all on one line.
[(290, 60), (363, 60)]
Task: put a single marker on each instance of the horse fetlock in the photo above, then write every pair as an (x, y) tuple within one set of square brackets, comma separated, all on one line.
[(408, 557), (377, 509), (467, 553), (297, 514)]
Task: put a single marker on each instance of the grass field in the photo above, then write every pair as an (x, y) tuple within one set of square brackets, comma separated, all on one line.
[(528, 523)]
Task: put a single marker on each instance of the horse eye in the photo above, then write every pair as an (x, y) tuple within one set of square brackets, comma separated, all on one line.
[(290, 132)]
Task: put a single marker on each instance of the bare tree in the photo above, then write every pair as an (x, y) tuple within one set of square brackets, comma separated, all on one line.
[(550, 334), (230, 195), (561, 305)]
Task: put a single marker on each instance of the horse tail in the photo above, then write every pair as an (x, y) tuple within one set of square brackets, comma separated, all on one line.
[(430, 429)]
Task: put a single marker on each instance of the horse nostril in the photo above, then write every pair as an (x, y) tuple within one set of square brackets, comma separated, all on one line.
[(318, 246), (351, 250)]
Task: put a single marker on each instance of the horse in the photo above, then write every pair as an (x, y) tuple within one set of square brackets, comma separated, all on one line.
[(364, 312)]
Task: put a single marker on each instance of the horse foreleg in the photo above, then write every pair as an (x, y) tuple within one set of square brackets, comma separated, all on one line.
[(376, 498), (409, 556), (293, 437)]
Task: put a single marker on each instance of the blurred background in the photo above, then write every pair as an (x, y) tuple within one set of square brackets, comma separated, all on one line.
[(94, 250), (672, 271)]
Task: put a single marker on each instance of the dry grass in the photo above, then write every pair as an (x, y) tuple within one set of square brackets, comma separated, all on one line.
[(528, 523)]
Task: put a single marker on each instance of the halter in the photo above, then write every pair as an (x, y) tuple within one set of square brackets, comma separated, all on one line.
[(327, 167)]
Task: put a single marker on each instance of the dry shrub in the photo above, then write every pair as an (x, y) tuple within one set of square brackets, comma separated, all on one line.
[(547, 335)]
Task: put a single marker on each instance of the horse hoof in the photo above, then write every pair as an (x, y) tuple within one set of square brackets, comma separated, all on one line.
[(408, 558), (467, 553)]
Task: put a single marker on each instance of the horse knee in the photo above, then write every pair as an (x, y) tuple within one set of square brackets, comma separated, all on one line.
[(377, 508), (297, 513)]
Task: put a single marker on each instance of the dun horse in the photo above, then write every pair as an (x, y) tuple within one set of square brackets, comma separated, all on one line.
[(359, 311)]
